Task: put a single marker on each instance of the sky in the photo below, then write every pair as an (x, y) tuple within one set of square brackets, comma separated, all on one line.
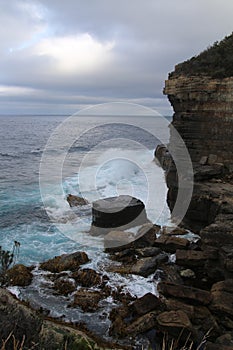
[(59, 56)]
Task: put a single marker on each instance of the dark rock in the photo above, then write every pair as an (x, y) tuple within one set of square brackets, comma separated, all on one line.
[(115, 239), (169, 273), (147, 252), (212, 346), (147, 266), (147, 303), (205, 322), (35, 332), (145, 237), (87, 277), (174, 322), (171, 244), (142, 324), (192, 295), (225, 339), (173, 231), (75, 201), (87, 300), (19, 275), (143, 267), (222, 298), (64, 286), (192, 258), (117, 212), (65, 262), (174, 305)]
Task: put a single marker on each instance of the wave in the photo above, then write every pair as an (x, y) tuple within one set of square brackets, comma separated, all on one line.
[(9, 155)]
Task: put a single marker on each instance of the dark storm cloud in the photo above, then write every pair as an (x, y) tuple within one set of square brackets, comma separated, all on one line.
[(61, 55)]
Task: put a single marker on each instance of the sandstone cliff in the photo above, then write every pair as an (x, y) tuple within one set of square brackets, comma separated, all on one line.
[(202, 100)]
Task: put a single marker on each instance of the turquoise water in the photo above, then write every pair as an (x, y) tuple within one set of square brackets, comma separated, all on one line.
[(46, 228)]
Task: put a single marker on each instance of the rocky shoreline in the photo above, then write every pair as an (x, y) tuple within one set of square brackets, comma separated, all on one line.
[(192, 277)]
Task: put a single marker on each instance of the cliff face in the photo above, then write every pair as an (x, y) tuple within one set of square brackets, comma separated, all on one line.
[(203, 116)]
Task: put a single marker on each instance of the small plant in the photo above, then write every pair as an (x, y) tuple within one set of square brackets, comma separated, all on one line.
[(7, 259)]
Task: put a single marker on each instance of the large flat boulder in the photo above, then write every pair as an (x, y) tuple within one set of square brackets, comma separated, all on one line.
[(190, 294), (120, 212)]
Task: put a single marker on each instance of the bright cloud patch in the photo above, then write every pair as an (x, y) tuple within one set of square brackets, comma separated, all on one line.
[(75, 54), (15, 90)]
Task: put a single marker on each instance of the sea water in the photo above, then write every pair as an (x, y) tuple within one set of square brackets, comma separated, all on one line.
[(108, 158)]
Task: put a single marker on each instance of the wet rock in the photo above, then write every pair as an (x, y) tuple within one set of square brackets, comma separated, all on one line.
[(75, 201), (192, 258), (171, 244), (192, 295), (28, 325), (147, 303), (173, 231), (143, 267), (117, 317), (117, 212), (115, 239), (147, 252), (222, 298), (145, 237), (87, 300), (169, 273), (64, 286), (127, 256), (19, 275), (146, 266), (87, 277), (174, 322), (65, 262), (142, 324)]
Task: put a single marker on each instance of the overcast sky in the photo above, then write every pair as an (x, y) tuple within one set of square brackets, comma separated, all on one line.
[(57, 56)]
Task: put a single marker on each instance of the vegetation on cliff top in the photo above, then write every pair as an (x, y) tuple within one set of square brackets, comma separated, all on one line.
[(216, 61)]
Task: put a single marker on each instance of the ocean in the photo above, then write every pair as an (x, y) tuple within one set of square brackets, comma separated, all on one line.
[(44, 158)]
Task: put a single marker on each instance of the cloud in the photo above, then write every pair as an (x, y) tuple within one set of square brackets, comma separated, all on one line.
[(57, 55)]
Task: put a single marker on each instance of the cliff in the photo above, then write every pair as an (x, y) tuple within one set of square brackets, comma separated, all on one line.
[(202, 100)]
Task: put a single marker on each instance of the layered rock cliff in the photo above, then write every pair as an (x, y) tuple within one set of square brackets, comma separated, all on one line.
[(201, 93)]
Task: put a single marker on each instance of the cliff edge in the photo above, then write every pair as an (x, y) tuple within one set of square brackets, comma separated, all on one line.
[(200, 91)]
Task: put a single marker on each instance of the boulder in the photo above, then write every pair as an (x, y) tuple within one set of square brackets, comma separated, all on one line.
[(87, 277), (192, 258), (64, 286), (121, 240), (189, 294), (222, 298), (174, 305), (174, 322), (147, 303), (205, 322), (146, 266), (122, 212), (87, 300), (173, 231), (19, 275), (65, 262), (142, 324), (75, 201), (148, 251), (171, 244)]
